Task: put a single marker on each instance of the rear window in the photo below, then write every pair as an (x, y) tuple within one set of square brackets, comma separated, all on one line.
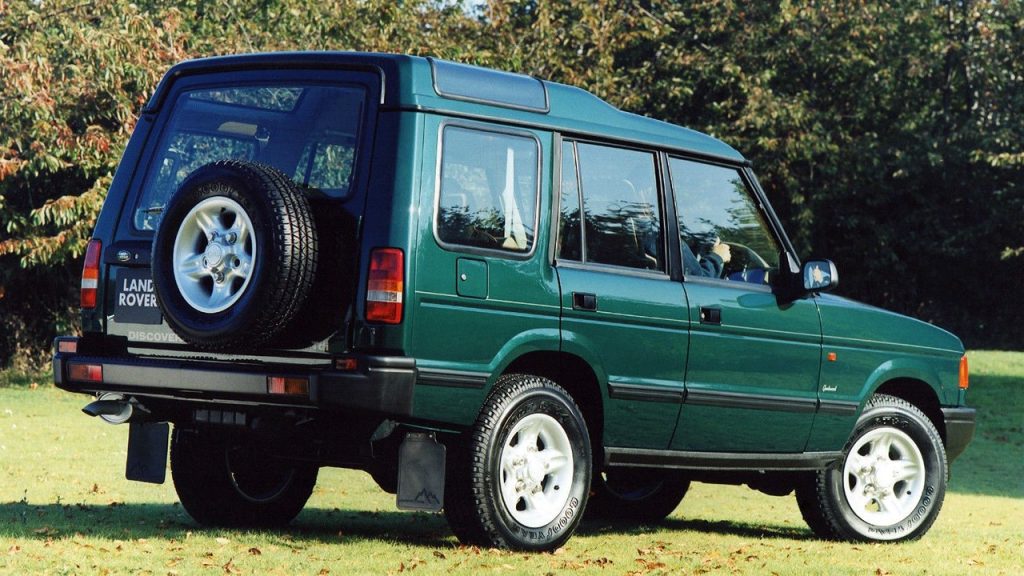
[(307, 131)]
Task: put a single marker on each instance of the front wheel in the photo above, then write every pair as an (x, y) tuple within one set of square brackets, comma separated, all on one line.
[(890, 483), (233, 484), (523, 478)]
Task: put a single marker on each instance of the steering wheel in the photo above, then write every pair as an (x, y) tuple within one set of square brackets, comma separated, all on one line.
[(744, 263)]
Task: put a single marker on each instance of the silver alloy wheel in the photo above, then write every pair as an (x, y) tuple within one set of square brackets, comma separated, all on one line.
[(214, 254), (884, 476), (536, 470)]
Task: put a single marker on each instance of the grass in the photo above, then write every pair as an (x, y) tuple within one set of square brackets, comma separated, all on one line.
[(65, 508)]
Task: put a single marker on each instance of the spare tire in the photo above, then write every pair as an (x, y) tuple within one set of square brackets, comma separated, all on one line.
[(234, 256)]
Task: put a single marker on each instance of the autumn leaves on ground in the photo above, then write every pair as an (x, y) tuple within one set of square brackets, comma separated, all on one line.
[(65, 508)]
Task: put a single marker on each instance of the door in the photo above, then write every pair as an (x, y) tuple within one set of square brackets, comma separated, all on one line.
[(753, 366), (621, 312)]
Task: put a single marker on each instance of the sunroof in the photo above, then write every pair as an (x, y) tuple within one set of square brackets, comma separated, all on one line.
[(507, 89)]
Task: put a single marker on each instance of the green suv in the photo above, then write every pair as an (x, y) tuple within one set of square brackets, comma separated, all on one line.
[(501, 297)]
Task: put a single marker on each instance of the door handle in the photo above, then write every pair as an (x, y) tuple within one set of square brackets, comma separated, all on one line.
[(710, 315), (584, 301)]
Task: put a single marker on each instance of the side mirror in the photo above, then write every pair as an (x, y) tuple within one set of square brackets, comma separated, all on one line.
[(820, 275)]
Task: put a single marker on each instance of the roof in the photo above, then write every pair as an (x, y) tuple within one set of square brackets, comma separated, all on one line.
[(413, 82)]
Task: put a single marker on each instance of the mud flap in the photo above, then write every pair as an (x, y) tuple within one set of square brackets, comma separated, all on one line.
[(147, 452), (421, 473)]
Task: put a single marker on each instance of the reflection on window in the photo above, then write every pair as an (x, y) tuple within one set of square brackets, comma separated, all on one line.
[(326, 166), (308, 132), (569, 232), (622, 226), (279, 98), (488, 196), (722, 230), (187, 151)]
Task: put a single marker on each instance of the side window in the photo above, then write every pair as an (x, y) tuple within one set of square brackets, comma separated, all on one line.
[(488, 196), (621, 213), (570, 243), (723, 233)]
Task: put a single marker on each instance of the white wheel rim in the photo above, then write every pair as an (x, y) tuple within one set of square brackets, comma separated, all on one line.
[(536, 470), (214, 254), (884, 476)]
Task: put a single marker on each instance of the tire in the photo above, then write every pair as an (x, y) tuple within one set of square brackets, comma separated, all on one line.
[(333, 289), (636, 494), (233, 485), (522, 479), (890, 483), (234, 257)]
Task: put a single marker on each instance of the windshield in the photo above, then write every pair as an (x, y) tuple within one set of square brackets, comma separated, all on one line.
[(307, 131)]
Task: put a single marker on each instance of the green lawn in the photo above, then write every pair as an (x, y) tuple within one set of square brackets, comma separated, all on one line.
[(65, 508)]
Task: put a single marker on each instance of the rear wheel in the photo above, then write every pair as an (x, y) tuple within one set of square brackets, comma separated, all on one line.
[(890, 483), (640, 494), (522, 479), (234, 484)]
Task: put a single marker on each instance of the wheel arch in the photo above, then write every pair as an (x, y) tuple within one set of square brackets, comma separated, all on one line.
[(577, 377), (918, 393)]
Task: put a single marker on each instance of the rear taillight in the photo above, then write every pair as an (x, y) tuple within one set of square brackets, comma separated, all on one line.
[(965, 380), (91, 274), (384, 286)]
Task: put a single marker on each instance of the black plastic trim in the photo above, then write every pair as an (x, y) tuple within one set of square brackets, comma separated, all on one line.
[(636, 457), (644, 393), (751, 401), (452, 378), (382, 384), (960, 425), (838, 407)]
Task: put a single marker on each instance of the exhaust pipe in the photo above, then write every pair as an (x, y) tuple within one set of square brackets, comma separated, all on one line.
[(112, 408)]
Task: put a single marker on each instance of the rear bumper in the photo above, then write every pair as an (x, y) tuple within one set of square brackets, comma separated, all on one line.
[(960, 424), (378, 384)]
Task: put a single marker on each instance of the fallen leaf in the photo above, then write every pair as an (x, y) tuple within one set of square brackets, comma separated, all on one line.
[(439, 554), (650, 564), (255, 551)]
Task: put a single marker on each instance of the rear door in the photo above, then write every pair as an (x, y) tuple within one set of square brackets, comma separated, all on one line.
[(621, 311), (312, 125), (752, 373)]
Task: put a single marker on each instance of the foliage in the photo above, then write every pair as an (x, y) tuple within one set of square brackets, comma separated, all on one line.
[(73, 77), (886, 134)]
